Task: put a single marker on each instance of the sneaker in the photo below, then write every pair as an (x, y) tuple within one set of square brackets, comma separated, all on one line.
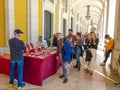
[(102, 64), (65, 80), (62, 76), (91, 73), (10, 85), (87, 70), (19, 88), (78, 69), (23, 85), (75, 66)]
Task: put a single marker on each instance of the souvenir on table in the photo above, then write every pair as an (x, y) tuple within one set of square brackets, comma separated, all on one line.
[(6, 55), (41, 52)]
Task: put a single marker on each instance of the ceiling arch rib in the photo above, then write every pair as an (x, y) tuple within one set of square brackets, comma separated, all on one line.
[(94, 13), (86, 23), (82, 16), (91, 14), (78, 3), (89, 22), (95, 19), (83, 11), (71, 2), (96, 8), (92, 7)]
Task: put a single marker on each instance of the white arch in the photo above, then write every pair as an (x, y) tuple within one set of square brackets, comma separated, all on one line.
[(99, 3)]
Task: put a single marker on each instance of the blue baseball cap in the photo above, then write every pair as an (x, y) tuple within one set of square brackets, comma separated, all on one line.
[(18, 31)]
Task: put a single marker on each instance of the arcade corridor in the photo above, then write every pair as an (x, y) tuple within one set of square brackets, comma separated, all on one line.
[(41, 19)]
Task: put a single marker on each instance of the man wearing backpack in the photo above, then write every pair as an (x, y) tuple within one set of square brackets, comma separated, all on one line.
[(67, 50)]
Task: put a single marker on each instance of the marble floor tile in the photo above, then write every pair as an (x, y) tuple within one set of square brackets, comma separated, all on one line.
[(78, 80)]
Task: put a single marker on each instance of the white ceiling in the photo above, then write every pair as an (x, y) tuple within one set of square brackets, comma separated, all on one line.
[(80, 6)]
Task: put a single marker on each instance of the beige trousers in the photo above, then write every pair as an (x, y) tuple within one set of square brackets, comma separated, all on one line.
[(93, 60)]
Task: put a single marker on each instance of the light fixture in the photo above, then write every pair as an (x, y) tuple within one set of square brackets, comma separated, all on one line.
[(87, 17), (91, 22), (88, 13)]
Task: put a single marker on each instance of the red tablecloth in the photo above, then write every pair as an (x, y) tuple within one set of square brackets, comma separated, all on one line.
[(35, 69)]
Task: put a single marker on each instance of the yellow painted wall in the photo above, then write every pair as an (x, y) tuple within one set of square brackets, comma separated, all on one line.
[(56, 18), (2, 24), (21, 17), (61, 21), (40, 17)]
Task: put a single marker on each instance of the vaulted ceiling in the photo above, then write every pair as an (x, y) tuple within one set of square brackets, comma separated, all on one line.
[(80, 7)]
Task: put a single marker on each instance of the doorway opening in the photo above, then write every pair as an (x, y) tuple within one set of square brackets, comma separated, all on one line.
[(48, 26)]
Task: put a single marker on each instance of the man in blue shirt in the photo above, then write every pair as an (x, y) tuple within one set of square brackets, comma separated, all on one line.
[(17, 60)]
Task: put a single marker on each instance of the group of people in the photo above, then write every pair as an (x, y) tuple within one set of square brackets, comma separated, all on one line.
[(73, 46), (68, 47)]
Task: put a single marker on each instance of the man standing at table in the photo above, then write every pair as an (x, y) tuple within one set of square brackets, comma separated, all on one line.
[(17, 60), (60, 37)]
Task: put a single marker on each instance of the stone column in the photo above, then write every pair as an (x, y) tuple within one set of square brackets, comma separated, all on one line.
[(10, 26), (111, 17), (60, 16), (33, 21), (9, 17), (107, 14), (101, 27), (56, 16), (116, 51)]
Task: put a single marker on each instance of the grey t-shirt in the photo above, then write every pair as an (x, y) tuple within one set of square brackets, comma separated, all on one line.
[(79, 42), (16, 48)]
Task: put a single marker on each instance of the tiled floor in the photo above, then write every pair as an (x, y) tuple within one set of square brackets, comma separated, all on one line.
[(78, 80)]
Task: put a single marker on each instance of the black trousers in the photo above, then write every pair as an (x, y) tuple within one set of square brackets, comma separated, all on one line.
[(107, 54)]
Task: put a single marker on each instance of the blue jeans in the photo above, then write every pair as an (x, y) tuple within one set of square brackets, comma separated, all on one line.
[(77, 56), (107, 54), (17, 64)]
